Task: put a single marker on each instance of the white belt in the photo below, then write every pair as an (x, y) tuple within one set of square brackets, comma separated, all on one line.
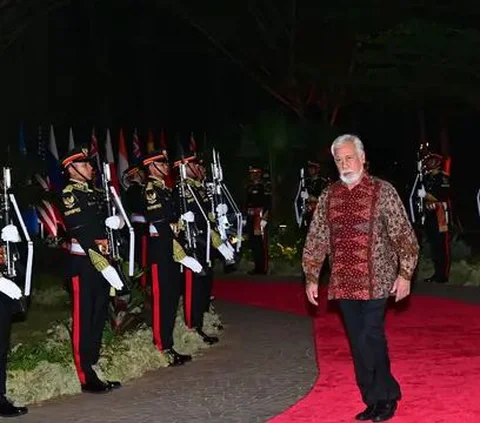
[(138, 218), (76, 248), (153, 230)]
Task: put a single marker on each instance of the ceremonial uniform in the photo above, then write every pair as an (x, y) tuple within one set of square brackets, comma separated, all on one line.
[(164, 254), (258, 213), (135, 205), (438, 217), (84, 216), (314, 185), (193, 198), (8, 308)]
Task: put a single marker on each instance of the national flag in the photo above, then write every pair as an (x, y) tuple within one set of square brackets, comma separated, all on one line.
[(71, 142), (150, 142), (110, 159), (55, 176), (137, 151), (122, 158), (192, 144), (95, 154), (21, 140)]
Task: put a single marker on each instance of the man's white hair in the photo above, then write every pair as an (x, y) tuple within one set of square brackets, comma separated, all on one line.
[(342, 139)]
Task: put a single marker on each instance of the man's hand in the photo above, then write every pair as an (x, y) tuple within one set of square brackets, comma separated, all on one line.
[(401, 288), (311, 290)]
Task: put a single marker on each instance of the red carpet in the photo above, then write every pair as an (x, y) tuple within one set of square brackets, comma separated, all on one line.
[(434, 347)]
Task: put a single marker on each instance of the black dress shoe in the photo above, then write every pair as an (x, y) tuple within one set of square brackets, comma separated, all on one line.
[(384, 411), (7, 409), (177, 359), (114, 384), (210, 340), (366, 414), (96, 387)]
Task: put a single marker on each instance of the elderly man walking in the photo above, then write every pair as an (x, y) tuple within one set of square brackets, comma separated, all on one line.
[(361, 223)]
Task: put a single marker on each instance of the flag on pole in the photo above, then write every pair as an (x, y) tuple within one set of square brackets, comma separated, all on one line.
[(137, 151), (192, 144), (122, 157), (21, 140), (54, 173), (71, 142), (111, 162), (95, 154), (150, 142)]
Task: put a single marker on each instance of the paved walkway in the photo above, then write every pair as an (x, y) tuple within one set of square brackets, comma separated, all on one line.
[(264, 363)]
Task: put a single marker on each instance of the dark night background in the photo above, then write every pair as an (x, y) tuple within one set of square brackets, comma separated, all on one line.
[(229, 68)]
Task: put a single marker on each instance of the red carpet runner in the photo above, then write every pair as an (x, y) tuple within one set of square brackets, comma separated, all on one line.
[(434, 347)]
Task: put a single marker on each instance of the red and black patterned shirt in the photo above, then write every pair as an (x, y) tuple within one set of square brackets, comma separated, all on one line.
[(368, 237)]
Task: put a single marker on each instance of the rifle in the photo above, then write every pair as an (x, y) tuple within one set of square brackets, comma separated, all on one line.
[(300, 210), (190, 227), (478, 202), (415, 195), (10, 256), (222, 195), (113, 202)]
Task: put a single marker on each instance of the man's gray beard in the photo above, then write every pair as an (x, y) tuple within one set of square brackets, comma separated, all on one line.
[(352, 178)]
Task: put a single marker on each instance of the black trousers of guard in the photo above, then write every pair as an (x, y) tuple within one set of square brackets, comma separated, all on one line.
[(440, 249), (8, 308), (259, 246), (141, 249), (90, 298), (198, 289), (364, 322), (166, 289)]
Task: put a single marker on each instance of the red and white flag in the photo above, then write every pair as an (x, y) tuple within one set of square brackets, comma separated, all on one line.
[(122, 157), (111, 162), (137, 151)]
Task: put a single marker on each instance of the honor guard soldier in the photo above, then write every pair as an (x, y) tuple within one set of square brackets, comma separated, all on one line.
[(438, 215), (164, 254), (315, 183), (10, 294), (200, 235), (258, 214), (91, 273), (135, 178)]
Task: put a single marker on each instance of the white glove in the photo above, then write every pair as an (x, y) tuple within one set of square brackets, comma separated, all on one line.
[(112, 276), (10, 234), (221, 209), (421, 192), (223, 222), (225, 252), (244, 222), (304, 195), (188, 217), (229, 246), (263, 223), (115, 222), (192, 264), (10, 288)]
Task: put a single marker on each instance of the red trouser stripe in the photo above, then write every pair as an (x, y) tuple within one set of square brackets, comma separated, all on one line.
[(157, 339), (188, 297), (76, 329), (143, 258)]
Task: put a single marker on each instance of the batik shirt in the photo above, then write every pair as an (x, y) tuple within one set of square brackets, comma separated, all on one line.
[(368, 237)]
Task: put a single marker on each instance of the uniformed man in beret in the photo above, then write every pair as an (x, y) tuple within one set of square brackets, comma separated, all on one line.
[(91, 274)]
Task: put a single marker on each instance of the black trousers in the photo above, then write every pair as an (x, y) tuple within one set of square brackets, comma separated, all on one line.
[(8, 308), (440, 249), (259, 247), (364, 321), (198, 289), (90, 298), (141, 245), (166, 289)]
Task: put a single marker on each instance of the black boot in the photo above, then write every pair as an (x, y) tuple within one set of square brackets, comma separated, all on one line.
[(7, 409), (114, 384), (366, 414), (210, 340), (384, 411), (96, 387), (177, 359)]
